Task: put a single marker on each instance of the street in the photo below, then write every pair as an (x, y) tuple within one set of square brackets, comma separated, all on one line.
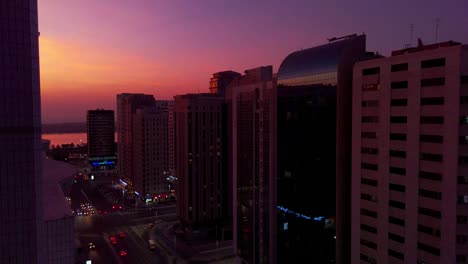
[(132, 222)]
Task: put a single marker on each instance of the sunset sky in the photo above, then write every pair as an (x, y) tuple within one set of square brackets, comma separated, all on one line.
[(92, 50)]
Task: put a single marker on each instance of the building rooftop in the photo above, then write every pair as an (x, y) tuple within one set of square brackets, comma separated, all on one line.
[(198, 96), (422, 47), (55, 206), (317, 60)]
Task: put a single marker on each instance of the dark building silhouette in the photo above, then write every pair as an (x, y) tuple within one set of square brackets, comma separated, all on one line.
[(314, 143), (20, 135), (101, 139), (201, 160), (221, 80), (151, 144), (251, 123), (127, 104)]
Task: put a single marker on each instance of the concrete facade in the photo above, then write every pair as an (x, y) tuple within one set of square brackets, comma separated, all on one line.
[(409, 157)]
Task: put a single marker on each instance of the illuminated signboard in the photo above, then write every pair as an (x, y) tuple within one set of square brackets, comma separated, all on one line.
[(103, 163)]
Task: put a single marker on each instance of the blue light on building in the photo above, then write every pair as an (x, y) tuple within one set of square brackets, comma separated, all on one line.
[(103, 163), (298, 215)]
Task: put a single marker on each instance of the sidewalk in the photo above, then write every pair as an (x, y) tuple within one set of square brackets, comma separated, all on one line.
[(166, 244), (197, 251)]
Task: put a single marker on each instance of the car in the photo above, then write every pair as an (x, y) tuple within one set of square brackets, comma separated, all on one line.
[(91, 245), (121, 235), (123, 253), (113, 239)]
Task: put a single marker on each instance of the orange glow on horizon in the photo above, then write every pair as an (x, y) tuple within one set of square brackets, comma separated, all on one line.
[(70, 66)]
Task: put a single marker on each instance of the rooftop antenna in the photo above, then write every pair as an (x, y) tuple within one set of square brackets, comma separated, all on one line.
[(411, 34), (437, 21), (411, 37)]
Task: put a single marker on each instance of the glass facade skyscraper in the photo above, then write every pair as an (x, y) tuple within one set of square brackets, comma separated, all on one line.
[(20, 134), (313, 146)]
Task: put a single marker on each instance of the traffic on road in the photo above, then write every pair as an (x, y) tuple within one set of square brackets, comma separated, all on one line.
[(112, 229)]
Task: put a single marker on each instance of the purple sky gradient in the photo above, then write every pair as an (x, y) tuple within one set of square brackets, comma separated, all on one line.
[(172, 47)]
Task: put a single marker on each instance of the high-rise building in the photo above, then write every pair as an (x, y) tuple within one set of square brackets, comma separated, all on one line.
[(20, 135), (127, 104), (220, 81), (200, 160), (313, 151), (101, 139), (410, 156), (251, 122), (151, 149), (171, 137)]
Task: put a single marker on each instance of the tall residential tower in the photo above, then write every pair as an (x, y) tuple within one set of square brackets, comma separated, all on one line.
[(410, 156), (201, 160), (251, 123), (127, 104), (151, 162)]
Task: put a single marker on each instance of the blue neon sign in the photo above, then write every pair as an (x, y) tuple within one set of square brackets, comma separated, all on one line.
[(299, 215), (103, 163)]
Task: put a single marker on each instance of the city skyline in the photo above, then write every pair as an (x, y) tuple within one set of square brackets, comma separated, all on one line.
[(139, 48)]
